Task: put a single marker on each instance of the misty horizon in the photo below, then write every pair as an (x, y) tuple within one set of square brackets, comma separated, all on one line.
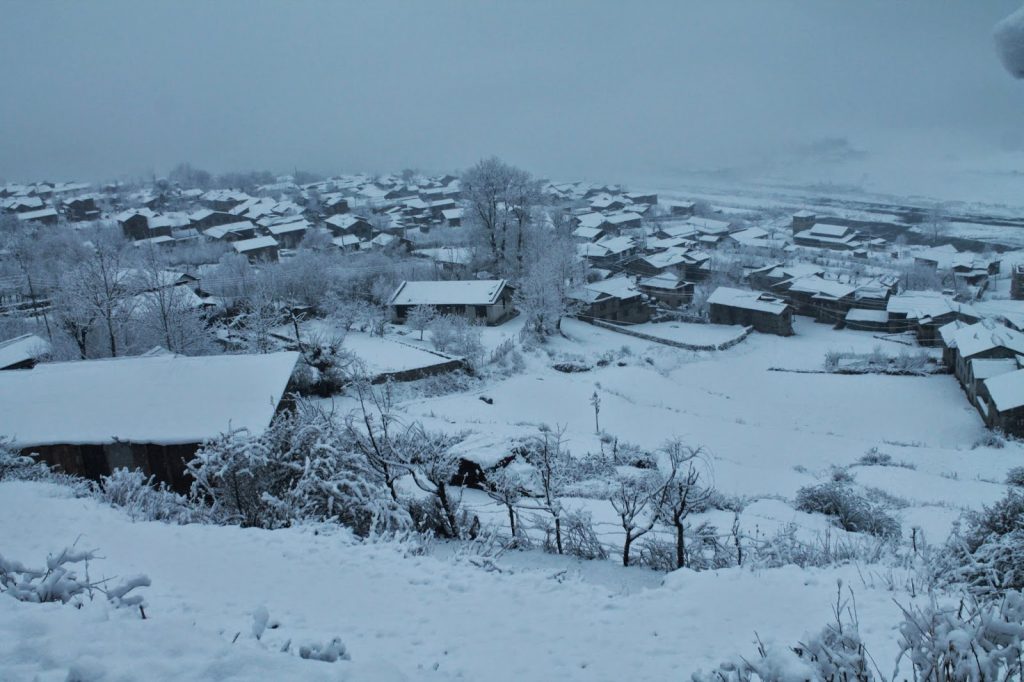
[(590, 90)]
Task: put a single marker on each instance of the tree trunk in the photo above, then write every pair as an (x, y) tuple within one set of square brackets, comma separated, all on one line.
[(625, 549), (558, 534), (512, 519), (446, 509), (680, 544)]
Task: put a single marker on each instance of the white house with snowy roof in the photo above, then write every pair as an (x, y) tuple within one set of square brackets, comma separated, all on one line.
[(149, 413), (488, 301)]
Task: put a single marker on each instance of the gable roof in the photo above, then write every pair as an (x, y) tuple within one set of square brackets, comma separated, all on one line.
[(453, 292), (253, 244), (750, 300), (21, 349), (154, 399), (1007, 390), (984, 336)]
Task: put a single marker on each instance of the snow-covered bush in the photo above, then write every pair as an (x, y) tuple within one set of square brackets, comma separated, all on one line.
[(145, 500), (578, 537), (852, 511), (456, 335), (991, 439), (302, 468), (835, 654), (330, 652), (786, 548), (60, 581), (1015, 477), (15, 466), (987, 557), (965, 641), (325, 368)]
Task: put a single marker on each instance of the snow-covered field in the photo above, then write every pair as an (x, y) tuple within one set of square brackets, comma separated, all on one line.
[(442, 615), (433, 617)]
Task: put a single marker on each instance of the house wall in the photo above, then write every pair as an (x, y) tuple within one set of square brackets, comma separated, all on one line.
[(164, 462), (764, 322)]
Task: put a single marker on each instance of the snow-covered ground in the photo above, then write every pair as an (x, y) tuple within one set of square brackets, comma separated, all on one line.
[(440, 616), (402, 617)]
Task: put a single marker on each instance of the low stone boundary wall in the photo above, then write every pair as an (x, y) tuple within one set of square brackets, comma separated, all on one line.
[(669, 342)]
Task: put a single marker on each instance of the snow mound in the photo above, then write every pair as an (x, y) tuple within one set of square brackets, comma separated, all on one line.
[(1009, 37)]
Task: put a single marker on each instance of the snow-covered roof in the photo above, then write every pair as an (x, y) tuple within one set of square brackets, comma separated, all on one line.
[(253, 244), (814, 284), (622, 218), (452, 213), (986, 368), (594, 220), (826, 230), (295, 226), (161, 399), (750, 300), (1007, 390), (22, 348), (984, 336), (866, 315), (455, 255), (619, 287), (805, 214), (346, 240), (709, 226), (37, 215), (454, 292), (921, 304), (665, 280), (221, 231)]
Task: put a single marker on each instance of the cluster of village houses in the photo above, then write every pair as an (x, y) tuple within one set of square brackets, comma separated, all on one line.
[(644, 259)]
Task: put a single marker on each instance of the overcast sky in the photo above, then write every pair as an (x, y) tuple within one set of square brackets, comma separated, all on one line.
[(592, 89)]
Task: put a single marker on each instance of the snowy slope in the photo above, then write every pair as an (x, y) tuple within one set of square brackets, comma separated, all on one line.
[(401, 617)]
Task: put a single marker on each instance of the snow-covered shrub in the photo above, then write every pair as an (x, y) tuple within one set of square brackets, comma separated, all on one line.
[(874, 457), (506, 359), (302, 468), (578, 537), (1015, 477), (965, 641), (835, 654), (852, 511), (991, 439), (330, 652), (15, 466), (786, 548), (325, 368), (987, 557), (456, 335), (657, 553), (145, 500), (60, 581)]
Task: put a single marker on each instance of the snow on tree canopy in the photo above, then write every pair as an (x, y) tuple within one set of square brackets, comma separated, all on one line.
[(165, 399), (1009, 37)]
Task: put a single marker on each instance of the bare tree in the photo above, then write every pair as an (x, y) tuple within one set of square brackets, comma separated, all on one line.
[(420, 317), (546, 452), (500, 199), (681, 492), (506, 488), (635, 499), (102, 286), (552, 271)]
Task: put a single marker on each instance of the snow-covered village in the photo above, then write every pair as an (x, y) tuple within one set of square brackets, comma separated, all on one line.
[(490, 406)]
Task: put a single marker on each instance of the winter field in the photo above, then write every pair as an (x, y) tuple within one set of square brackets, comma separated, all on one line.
[(409, 610)]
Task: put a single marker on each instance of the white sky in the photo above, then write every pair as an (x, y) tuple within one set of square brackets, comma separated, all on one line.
[(569, 88)]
